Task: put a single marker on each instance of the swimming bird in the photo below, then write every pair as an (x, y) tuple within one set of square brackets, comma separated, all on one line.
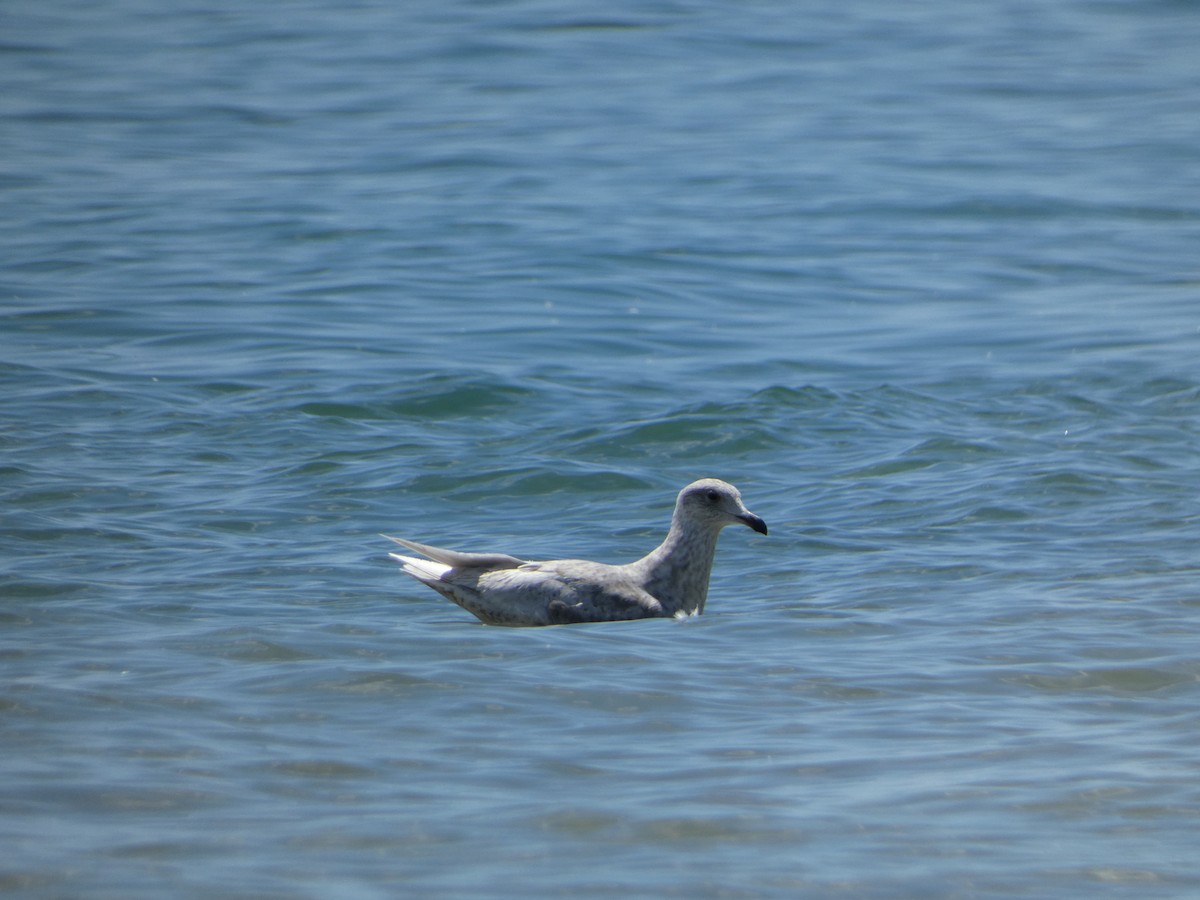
[(671, 580)]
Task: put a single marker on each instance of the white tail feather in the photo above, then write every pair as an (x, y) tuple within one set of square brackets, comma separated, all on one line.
[(421, 569)]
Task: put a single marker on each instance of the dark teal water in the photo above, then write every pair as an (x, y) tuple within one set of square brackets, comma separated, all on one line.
[(922, 281)]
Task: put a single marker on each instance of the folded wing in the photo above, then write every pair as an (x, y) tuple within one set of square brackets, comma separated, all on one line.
[(457, 559)]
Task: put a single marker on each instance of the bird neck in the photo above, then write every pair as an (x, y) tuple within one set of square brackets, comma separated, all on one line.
[(676, 572)]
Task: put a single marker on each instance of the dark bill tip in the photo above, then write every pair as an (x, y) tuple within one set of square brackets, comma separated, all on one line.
[(756, 523)]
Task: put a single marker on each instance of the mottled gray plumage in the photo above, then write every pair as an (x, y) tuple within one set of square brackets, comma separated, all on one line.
[(672, 580)]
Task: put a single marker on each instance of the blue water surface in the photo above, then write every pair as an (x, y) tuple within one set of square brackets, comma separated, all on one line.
[(920, 279)]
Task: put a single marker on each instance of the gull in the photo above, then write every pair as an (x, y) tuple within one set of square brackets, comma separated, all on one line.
[(671, 580)]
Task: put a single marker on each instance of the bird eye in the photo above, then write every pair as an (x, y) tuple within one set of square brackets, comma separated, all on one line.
[(712, 496)]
